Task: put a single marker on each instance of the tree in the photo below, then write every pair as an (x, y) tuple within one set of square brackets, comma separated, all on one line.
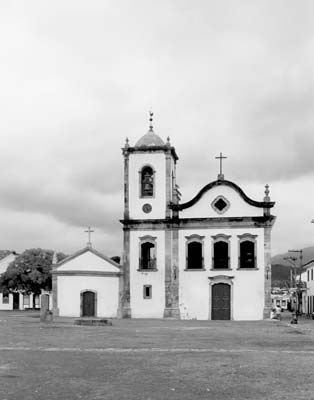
[(30, 272)]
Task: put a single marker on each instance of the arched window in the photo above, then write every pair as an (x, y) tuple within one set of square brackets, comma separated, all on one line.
[(221, 258), (194, 252), (247, 251), (147, 253), (147, 182)]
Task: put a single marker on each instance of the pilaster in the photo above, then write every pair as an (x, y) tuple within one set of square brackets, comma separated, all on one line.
[(267, 272), (172, 273), (55, 308), (125, 293), (168, 184), (126, 184), (121, 288)]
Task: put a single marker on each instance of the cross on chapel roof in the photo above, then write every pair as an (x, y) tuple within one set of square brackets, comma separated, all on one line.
[(89, 231), (221, 175)]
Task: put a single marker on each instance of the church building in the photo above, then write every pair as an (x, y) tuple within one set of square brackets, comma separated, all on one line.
[(208, 258)]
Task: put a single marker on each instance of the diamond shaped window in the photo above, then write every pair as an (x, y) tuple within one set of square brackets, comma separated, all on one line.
[(220, 204)]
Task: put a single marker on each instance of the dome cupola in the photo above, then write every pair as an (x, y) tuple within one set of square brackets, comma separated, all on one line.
[(150, 138)]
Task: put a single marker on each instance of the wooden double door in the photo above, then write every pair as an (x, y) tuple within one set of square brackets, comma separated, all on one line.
[(221, 301)]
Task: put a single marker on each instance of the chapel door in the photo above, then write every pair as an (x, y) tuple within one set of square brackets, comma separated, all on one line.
[(221, 301), (16, 301), (88, 304)]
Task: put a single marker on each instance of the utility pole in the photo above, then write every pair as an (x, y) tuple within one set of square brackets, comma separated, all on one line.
[(298, 284), (293, 276)]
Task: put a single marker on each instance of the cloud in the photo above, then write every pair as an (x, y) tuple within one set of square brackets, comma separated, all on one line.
[(77, 78)]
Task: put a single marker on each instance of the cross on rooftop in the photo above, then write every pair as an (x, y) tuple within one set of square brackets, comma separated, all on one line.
[(89, 231), (221, 157)]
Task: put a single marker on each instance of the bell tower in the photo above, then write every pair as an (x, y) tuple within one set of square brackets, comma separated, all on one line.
[(149, 177), (149, 191)]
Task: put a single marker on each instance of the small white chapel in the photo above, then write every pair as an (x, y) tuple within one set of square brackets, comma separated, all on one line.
[(208, 258)]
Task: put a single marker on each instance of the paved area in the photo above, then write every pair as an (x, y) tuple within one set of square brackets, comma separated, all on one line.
[(155, 359)]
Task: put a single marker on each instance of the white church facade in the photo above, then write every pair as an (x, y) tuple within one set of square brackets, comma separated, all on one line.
[(86, 284), (208, 258)]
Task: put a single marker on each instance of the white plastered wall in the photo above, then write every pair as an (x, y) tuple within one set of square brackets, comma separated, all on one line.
[(69, 294), (140, 307), (88, 262), (238, 207), (248, 286)]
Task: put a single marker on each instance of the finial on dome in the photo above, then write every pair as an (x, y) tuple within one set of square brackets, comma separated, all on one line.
[(266, 198), (151, 120), (126, 142), (168, 141)]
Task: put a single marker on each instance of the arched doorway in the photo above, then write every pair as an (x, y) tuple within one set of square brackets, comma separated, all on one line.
[(88, 304), (221, 301)]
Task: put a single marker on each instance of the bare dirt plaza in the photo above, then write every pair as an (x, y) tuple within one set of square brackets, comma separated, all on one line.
[(155, 359)]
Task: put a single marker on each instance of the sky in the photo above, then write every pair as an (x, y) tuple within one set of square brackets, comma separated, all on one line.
[(78, 77)]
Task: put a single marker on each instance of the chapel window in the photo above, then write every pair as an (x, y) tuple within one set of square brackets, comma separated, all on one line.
[(194, 252), (247, 251), (147, 259), (308, 275), (221, 247), (147, 182)]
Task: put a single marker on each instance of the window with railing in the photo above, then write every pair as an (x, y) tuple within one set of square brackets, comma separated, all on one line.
[(247, 251), (194, 252), (221, 252), (147, 259)]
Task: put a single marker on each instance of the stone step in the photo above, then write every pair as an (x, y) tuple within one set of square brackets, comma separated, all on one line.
[(93, 321)]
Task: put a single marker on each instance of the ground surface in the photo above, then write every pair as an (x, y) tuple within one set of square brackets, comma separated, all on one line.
[(155, 359)]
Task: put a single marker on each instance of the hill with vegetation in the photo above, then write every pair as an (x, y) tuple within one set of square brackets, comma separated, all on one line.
[(307, 253), (282, 269)]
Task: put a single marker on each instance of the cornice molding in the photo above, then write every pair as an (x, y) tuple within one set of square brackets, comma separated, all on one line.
[(150, 149), (196, 223), (86, 273)]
